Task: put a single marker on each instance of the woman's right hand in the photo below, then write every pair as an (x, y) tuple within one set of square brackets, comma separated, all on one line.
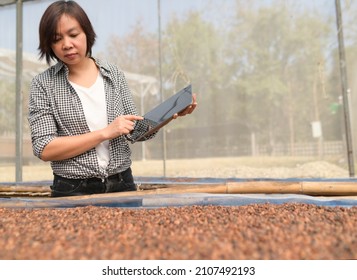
[(122, 125)]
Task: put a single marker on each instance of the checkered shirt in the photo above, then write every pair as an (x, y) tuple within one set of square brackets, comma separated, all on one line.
[(55, 110)]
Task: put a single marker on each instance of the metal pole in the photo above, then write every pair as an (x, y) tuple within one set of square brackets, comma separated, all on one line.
[(345, 89), (161, 92), (19, 131), (142, 94)]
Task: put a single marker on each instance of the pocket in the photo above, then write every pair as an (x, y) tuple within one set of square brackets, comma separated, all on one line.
[(127, 183), (65, 187), (127, 187), (120, 185), (127, 176)]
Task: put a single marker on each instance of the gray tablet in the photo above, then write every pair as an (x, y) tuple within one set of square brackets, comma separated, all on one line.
[(163, 113)]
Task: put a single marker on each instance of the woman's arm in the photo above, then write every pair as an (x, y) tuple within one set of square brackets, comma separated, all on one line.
[(67, 147)]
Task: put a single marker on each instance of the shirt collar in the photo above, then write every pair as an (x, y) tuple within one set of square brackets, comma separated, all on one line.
[(103, 66), (58, 66)]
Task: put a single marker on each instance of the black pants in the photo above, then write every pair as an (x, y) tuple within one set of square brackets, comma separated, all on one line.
[(120, 182)]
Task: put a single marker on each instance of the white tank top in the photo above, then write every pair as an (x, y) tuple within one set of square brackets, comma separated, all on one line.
[(95, 111)]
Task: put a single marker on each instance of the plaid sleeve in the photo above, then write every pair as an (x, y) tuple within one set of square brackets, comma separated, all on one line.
[(40, 117), (140, 128)]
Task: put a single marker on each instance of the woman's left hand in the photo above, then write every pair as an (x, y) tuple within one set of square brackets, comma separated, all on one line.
[(189, 109)]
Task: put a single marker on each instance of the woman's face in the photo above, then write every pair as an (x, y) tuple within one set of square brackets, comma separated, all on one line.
[(70, 43)]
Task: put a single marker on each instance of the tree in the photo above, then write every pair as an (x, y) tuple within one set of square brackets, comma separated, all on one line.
[(137, 53), (277, 66), (193, 54), (7, 107)]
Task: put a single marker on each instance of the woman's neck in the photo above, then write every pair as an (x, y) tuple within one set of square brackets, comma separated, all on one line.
[(83, 66), (84, 73)]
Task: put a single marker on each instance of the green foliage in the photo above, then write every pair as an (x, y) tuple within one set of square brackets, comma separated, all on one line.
[(278, 68), (193, 54), (7, 107), (266, 69)]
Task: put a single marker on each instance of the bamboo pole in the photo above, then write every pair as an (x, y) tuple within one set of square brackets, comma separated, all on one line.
[(324, 188), (264, 187), (34, 189), (308, 188), (333, 188)]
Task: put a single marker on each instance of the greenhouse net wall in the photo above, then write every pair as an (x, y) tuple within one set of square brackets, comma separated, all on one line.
[(266, 74)]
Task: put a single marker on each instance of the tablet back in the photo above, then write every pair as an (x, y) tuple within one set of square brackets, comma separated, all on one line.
[(163, 113)]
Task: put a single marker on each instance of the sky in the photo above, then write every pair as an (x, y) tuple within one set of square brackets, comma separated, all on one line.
[(108, 17), (117, 17)]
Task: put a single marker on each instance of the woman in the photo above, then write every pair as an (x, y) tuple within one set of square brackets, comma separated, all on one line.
[(81, 112)]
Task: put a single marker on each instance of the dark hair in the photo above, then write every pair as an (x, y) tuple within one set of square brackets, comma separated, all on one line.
[(48, 27)]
